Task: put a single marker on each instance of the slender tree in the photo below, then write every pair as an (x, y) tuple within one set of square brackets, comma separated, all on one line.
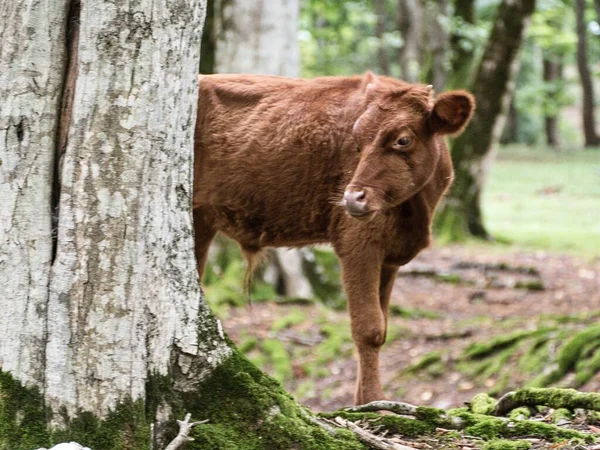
[(461, 44), (410, 26), (437, 38), (591, 136), (105, 337), (384, 61), (460, 215), (552, 74)]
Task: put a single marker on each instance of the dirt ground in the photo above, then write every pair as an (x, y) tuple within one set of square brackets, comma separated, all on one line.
[(454, 296)]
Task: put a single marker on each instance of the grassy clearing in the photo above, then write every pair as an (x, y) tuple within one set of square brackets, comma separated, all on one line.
[(546, 200)]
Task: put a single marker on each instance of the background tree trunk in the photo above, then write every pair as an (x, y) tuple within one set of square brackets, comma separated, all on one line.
[(552, 74), (384, 61), (473, 150), (208, 45), (267, 45), (257, 36), (591, 136), (435, 22), (410, 26), (463, 48)]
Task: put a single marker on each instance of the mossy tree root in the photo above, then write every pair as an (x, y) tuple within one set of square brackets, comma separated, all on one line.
[(474, 421), (553, 397), (406, 409)]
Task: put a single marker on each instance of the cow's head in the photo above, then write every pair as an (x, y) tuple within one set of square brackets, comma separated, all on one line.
[(398, 139)]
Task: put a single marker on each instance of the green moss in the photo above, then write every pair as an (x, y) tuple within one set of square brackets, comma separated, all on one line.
[(427, 361), (560, 415), (502, 444), (558, 398), (295, 317), (570, 353), (481, 350), (490, 428), (530, 285), (394, 424), (23, 417), (483, 404), (520, 413), (248, 410), (280, 359), (413, 313), (24, 422)]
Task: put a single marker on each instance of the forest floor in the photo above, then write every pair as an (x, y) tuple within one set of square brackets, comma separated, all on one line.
[(446, 301)]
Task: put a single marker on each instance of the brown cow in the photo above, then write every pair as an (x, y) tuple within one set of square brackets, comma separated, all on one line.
[(359, 162)]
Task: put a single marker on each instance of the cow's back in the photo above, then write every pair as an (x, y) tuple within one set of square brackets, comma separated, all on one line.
[(272, 155)]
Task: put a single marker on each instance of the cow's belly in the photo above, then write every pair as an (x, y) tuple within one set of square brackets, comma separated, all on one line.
[(258, 230)]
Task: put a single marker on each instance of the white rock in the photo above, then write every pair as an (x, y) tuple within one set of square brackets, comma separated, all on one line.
[(69, 446)]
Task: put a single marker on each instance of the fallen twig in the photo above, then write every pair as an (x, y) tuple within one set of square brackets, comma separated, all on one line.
[(183, 436), (369, 438)]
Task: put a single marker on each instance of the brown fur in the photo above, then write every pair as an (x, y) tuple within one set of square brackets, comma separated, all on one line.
[(275, 155)]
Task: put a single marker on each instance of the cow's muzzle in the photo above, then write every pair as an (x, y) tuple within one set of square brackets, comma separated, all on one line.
[(355, 202)]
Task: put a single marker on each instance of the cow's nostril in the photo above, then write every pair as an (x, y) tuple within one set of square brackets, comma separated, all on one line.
[(360, 196)]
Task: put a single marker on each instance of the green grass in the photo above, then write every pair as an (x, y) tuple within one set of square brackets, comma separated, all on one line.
[(542, 199)]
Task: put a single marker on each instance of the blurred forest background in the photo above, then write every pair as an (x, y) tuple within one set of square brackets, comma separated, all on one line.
[(510, 294)]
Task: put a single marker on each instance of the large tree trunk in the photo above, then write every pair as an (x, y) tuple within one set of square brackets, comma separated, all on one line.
[(86, 320), (591, 136), (552, 73), (473, 150), (270, 46), (108, 338), (410, 26)]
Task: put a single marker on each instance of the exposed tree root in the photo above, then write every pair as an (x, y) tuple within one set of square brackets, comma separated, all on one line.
[(478, 421), (555, 398), (407, 409)]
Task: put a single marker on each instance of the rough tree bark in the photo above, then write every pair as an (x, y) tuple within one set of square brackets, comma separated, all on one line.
[(473, 151), (592, 138), (410, 26), (105, 337), (268, 46)]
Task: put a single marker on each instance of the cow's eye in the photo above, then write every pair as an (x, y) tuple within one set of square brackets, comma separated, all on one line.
[(403, 142)]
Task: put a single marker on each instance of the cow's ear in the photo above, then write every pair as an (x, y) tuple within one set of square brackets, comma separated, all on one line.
[(451, 112), (370, 82)]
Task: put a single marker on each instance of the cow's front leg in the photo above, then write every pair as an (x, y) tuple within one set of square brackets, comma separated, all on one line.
[(361, 279)]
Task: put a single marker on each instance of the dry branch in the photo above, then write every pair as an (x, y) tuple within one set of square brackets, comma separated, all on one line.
[(369, 438), (185, 426)]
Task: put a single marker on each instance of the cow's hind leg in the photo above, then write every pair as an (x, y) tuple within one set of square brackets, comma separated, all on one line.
[(361, 279), (386, 284), (204, 233)]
